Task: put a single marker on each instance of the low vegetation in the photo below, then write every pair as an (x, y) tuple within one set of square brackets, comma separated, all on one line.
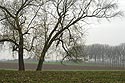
[(62, 76)]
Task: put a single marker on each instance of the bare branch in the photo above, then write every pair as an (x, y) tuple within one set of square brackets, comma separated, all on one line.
[(2, 19), (63, 46), (26, 3), (6, 10), (31, 46), (33, 18), (9, 40)]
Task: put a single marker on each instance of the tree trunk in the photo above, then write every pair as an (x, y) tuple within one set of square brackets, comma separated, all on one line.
[(20, 54), (40, 64), (95, 59), (41, 59)]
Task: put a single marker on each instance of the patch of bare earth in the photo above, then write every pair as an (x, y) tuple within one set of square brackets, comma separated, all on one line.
[(57, 67)]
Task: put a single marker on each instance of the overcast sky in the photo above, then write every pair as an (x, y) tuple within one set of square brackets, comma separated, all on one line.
[(105, 32)]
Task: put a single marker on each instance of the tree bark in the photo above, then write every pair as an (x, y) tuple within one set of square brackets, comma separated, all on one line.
[(40, 63), (20, 53)]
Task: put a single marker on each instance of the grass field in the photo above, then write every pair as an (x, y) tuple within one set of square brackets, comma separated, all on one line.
[(59, 63), (62, 77)]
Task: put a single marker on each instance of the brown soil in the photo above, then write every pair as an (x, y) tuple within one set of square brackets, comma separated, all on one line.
[(58, 67)]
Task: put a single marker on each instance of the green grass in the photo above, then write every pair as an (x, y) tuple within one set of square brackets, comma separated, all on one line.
[(62, 76), (73, 64), (58, 63)]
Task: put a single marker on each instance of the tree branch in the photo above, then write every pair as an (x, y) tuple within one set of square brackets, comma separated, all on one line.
[(9, 40), (31, 44), (6, 10), (63, 46), (22, 6)]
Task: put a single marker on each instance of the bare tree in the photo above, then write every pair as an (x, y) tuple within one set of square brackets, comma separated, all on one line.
[(66, 17), (106, 54), (78, 53), (17, 24)]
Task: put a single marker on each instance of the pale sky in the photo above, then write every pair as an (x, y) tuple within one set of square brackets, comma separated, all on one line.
[(105, 32)]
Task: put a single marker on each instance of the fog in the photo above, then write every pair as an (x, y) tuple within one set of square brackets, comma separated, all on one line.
[(108, 32)]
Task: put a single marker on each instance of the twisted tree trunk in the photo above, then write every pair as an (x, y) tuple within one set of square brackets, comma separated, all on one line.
[(40, 63)]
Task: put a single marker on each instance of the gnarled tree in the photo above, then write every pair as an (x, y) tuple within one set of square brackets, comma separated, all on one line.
[(17, 19), (65, 18)]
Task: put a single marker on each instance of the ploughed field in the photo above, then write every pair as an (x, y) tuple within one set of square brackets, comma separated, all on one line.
[(31, 66)]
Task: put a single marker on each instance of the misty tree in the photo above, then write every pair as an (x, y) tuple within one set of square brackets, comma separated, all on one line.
[(111, 55), (17, 19), (122, 52), (97, 52), (90, 51), (63, 20), (78, 53)]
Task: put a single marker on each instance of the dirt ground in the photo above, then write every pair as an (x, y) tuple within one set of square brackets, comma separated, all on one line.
[(57, 67)]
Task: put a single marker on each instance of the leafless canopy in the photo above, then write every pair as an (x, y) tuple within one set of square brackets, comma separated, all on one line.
[(63, 20), (39, 25)]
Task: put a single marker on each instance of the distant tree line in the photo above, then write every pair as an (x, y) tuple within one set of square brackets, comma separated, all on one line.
[(101, 53)]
